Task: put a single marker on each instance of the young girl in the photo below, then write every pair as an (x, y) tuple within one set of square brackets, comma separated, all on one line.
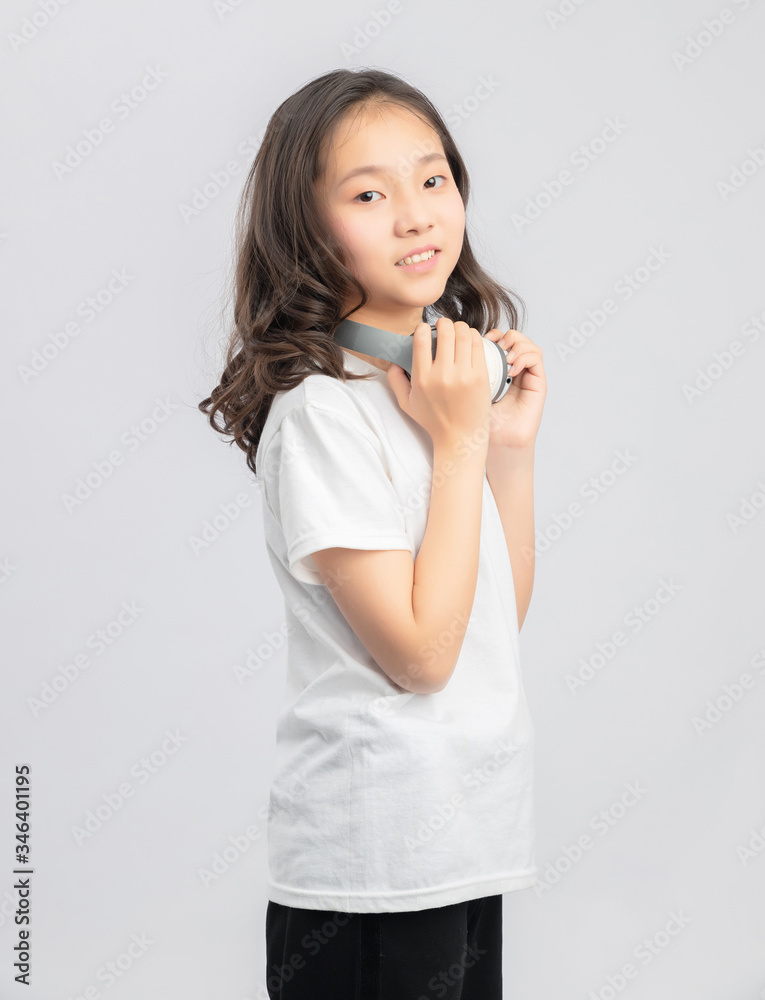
[(398, 518)]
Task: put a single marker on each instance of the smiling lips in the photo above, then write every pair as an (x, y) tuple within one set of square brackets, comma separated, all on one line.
[(417, 258)]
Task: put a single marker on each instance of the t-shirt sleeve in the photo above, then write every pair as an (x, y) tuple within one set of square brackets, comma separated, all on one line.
[(326, 483)]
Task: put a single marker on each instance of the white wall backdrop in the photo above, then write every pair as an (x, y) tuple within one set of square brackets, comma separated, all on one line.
[(617, 157)]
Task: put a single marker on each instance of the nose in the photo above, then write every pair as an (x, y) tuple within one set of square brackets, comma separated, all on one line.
[(413, 213)]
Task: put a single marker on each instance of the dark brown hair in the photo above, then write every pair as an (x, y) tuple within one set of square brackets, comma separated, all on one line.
[(290, 278)]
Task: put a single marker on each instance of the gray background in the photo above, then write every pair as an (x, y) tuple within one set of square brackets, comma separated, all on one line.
[(658, 548)]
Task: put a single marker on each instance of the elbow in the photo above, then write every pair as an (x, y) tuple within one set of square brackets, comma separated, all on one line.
[(417, 678), (427, 671), (423, 678), (413, 665)]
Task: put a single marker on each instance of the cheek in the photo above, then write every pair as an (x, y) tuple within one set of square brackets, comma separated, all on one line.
[(453, 221), (358, 248), (347, 233), (363, 246), (457, 212)]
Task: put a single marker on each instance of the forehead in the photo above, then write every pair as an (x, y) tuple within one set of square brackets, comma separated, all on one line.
[(389, 136)]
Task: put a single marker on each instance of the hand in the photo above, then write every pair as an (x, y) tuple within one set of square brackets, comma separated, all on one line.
[(516, 417), (447, 395)]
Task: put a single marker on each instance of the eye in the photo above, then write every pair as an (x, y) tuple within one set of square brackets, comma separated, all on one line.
[(362, 195), (431, 187)]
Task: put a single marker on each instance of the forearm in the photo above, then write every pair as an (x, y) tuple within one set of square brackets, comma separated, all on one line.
[(446, 569), (510, 473)]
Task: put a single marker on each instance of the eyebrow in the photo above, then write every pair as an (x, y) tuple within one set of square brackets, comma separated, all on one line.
[(375, 169)]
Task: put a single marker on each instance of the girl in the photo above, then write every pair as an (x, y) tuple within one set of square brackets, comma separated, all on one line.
[(398, 519)]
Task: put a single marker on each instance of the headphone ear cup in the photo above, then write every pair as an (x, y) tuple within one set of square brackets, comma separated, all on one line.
[(496, 363)]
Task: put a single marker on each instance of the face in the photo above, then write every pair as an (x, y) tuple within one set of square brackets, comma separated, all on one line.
[(380, 216)]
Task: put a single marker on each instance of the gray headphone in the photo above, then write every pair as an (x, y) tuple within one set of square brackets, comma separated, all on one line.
[(389, 346)]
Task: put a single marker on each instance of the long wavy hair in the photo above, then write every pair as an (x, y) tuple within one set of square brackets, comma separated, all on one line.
[(290, 277)]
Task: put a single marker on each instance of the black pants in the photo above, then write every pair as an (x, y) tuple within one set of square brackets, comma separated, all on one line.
[(444, 953)]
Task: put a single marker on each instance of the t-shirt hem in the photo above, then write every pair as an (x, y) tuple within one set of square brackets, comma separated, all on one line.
[(304, 546), (308, 544), (398, 902)]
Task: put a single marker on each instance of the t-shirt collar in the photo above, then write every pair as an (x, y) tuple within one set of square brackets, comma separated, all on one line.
[(359, 366)]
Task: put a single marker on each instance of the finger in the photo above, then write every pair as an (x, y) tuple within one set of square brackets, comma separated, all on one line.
[(526, 360), (444, 342), (516, 341), (509, 340), (463, 344), (422, 356), (494, 334)]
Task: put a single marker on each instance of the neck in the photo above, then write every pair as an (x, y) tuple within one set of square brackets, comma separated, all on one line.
[(402, 323)]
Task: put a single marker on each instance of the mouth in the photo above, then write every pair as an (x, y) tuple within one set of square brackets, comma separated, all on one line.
[(417, 261)]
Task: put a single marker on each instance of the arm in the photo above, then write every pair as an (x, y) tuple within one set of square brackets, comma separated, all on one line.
[(510, 472), (446, 570), (411, 616)]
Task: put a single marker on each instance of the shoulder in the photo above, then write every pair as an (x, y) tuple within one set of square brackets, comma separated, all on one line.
[(320, 405)]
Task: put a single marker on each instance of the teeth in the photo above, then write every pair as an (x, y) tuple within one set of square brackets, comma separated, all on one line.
[(416, 258)]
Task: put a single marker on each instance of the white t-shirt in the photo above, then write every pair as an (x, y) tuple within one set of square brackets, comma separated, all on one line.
[(383, 800)]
